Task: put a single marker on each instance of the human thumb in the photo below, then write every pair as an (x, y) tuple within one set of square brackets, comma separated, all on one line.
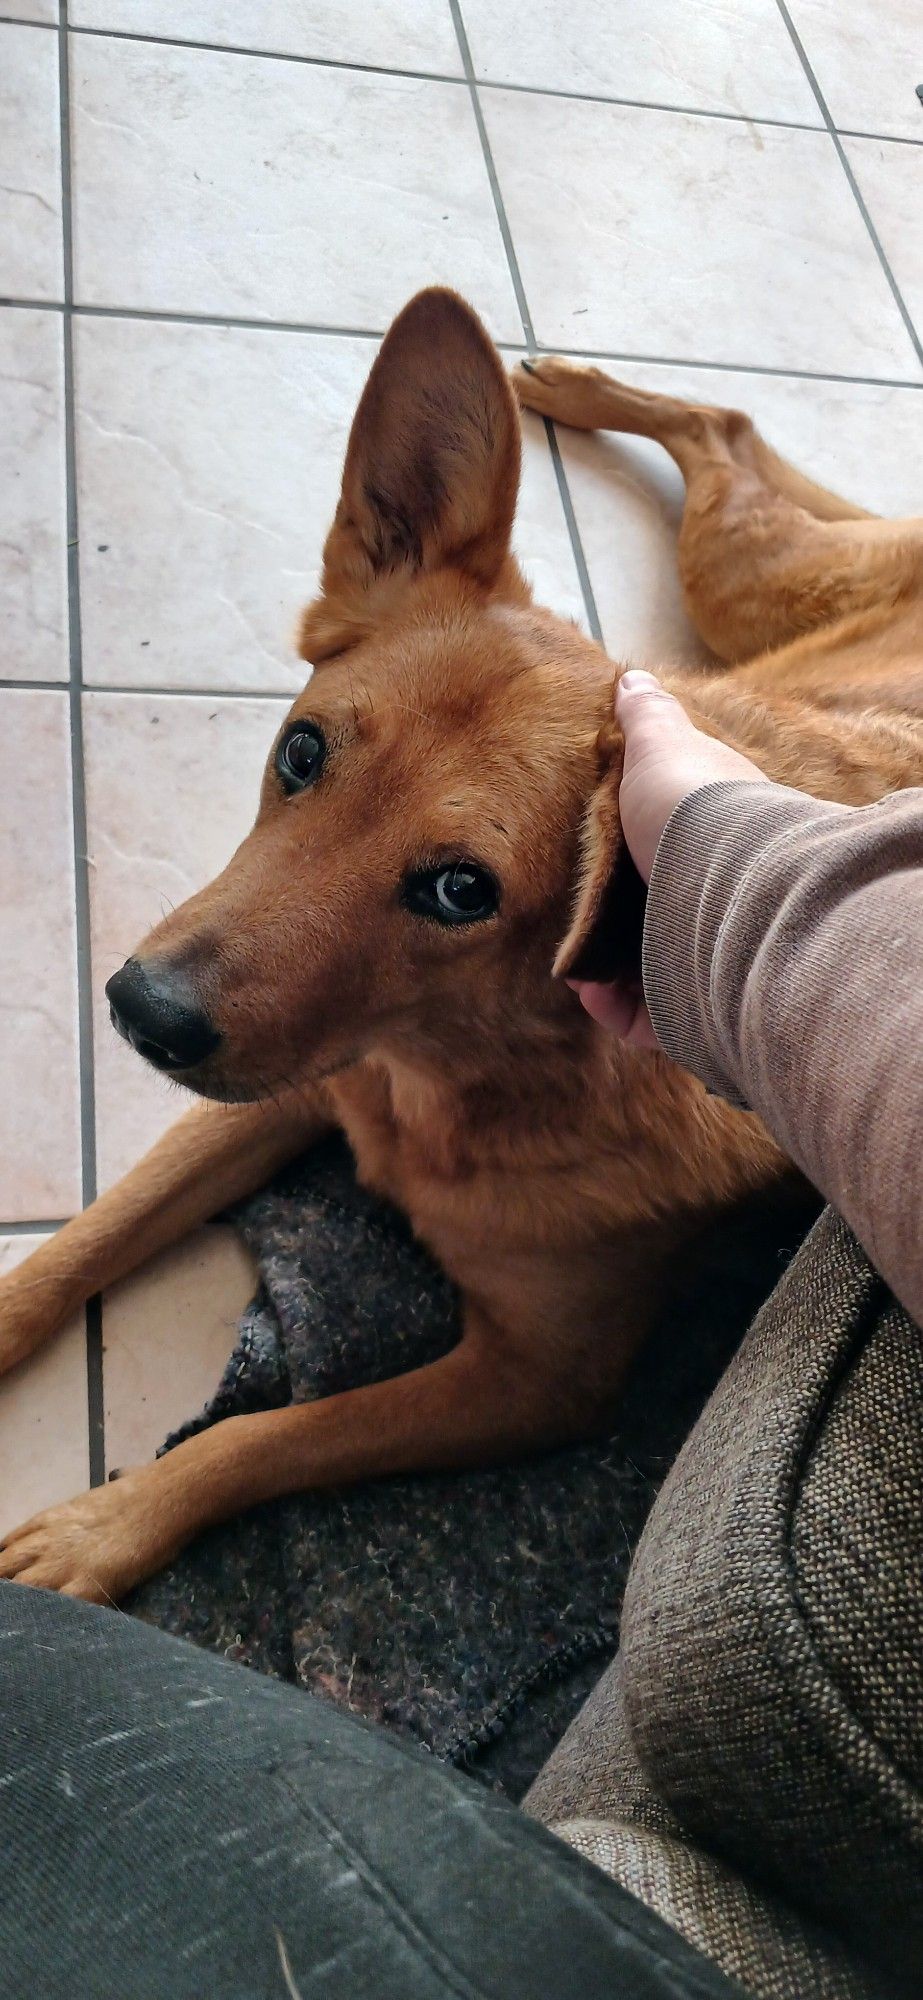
[(666, 758), (649, 714)]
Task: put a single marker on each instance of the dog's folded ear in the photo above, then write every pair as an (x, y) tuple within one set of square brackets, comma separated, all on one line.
[(604, 939), (431, 473)]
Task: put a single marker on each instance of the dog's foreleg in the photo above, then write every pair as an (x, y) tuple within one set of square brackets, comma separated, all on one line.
[(479, 1405), (215, 1155)]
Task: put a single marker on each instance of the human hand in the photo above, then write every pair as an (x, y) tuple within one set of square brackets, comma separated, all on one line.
[(666, 758)]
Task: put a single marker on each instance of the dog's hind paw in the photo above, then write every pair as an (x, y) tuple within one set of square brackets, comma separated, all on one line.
[(565, 390)]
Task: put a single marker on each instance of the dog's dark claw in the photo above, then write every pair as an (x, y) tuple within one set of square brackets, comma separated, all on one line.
[(529, 365)]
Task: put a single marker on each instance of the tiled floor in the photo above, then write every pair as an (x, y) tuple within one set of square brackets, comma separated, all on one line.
[(210, 212)]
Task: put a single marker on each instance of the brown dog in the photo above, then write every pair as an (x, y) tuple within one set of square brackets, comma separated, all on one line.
[(439, 811)]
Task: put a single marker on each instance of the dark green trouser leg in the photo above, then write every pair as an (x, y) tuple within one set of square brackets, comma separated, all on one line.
[(175, 1828)]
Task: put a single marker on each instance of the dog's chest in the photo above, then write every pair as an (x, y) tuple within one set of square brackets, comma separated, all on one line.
[(405, 1132), (477, 1194)]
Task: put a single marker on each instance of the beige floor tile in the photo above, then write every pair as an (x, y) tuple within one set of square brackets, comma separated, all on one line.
[(39, 1093), (33, 525), (736, 58), (30, 172), (654, 232), (540, 537), (868, 60), (284, 191), (209, 464), (172, 786), (890, 177), (44, 1452), (391, 33), (43, 11), (865, 441), (167, 1333)]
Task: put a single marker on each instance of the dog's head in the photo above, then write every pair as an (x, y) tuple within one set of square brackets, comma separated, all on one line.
[(432, 806)]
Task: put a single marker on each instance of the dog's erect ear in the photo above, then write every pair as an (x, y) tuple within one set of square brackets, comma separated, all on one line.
[(431, 473), (604, 940)]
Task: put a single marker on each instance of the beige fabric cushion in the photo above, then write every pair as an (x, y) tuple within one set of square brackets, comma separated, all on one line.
[(752, 1938), (767, 1704), (593, 1793), (857, 1542), (774, 1613), (593, 1773)]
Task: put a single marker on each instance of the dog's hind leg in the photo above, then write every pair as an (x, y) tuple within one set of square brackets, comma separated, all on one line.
[(214, 1156), (696, 435), (765, 554)]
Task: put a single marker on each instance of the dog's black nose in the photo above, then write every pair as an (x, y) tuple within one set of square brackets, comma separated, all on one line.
[(155, 1011)]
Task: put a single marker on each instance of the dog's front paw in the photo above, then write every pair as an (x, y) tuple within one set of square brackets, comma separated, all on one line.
[(97, 1546)]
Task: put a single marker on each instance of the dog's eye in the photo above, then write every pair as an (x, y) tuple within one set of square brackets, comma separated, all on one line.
[(300, 756), (459, 893)]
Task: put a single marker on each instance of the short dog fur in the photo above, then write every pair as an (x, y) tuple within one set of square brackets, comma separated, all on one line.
[(555, 1174)]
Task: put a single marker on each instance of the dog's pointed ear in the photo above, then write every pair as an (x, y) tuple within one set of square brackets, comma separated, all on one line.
[(604, 939), (431, 473)]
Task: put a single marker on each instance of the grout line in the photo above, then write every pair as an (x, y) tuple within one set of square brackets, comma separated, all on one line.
[(270, 55), (232, 323), (26, 686), (431, 75), (42, 1228), (447, 76), (502, 219), (170, 318), (89, 688), (94, 1337), (96, 1399), (850, 176), (649, 104), (482, 82), (882, 138), (288, 694), (580, 562), (727, 367)]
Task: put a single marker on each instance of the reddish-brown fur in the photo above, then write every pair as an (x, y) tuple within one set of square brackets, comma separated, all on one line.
[(554, 1173)]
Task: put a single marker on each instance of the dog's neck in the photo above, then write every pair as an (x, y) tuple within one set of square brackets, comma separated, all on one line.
[(527, 1078), (537, 1101)]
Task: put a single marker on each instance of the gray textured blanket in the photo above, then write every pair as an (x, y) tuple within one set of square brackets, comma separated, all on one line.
[(470, 1611)]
